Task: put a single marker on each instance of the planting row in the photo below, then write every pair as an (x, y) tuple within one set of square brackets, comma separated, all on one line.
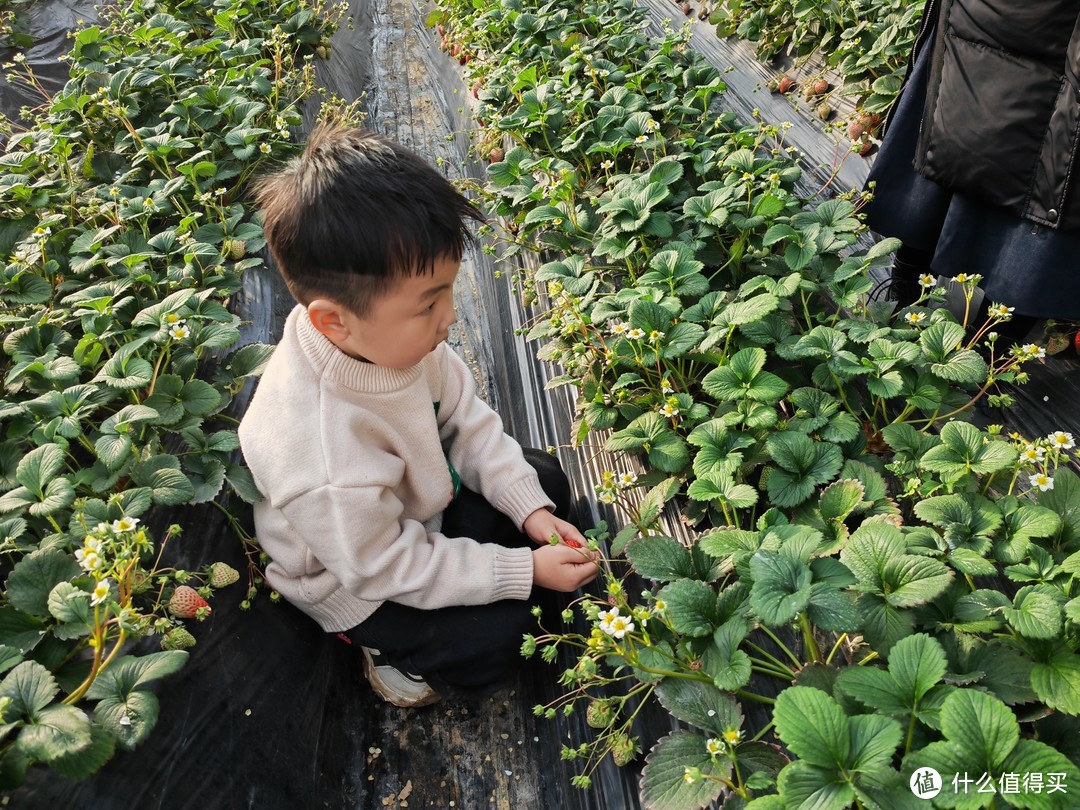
[(122, 241), (901, 577)]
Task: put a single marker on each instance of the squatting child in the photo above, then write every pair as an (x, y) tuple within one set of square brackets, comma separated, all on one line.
[(397, 512)]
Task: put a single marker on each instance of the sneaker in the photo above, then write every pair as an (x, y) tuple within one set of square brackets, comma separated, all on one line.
[(394, 686)]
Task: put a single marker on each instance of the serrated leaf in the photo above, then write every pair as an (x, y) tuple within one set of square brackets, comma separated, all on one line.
[(18, 629), (199, 397), (54, 732), (781, 589), (874, 688), (89, 759), (691, 607), (883, 624), (39, 466), (113, 450), (69, 603), (1031, 757), (984, 726), (34, 577), (805, 785), (1064, 501), (130, 672), (813, 727), (243, 484), (723, 661), (874, 740), (31, 688), (832, 609), (663, 782), (9, 657), (660, 558), (701, 705), (839, 499), (1056, 680), (131, 719), (1034, 614)]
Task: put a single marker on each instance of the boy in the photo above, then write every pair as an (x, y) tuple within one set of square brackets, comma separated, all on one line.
[(397, 513)]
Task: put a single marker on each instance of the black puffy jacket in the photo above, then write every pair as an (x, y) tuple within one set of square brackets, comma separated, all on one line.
[(1002, 115)]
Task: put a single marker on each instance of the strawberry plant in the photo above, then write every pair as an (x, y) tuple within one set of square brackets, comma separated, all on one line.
[(868, 42), (122, 240), (718, 328)]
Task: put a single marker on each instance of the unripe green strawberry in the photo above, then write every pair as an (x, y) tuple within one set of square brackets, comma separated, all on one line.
[(235, 248), (178, 639), (221, 575), (185, 603), (624, 750), (599, 714), (140, 581)]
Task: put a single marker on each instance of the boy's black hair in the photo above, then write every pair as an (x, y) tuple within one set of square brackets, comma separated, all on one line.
[(356, 212)]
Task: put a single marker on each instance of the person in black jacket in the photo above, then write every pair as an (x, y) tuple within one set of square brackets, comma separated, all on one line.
[(976, 168)]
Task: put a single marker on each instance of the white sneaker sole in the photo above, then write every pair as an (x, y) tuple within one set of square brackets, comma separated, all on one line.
[(395, 687)]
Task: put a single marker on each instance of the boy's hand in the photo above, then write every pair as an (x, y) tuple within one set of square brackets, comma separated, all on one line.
[(561, 568), (543, 527)]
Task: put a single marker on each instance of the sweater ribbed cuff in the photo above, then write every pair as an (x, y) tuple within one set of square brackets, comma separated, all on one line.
[(513, 573), (521, 499)]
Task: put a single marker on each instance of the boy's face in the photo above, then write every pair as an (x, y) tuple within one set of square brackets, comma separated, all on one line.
[(407, 323)]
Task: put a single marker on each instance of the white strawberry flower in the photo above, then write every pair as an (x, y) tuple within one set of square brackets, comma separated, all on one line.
[(619, 626), (101, 593), (636, 334), (1041, 480), (1061, 439), (1032, 454), (179, 332), (926, 281), (88, 559), (125, 524)]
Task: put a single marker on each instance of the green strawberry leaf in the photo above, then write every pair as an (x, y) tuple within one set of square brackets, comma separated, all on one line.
[(660, 558), (35, 575), (701, 705), (813, 727), (691, 607), (663, 781)]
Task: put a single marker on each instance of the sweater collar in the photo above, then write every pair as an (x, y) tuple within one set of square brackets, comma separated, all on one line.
[(336, 366)]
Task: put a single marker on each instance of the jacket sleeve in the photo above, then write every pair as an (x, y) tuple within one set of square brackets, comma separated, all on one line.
[(359, 536), (489, 461)]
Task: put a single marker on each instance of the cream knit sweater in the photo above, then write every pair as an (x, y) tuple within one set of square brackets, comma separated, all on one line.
[(352, 462)]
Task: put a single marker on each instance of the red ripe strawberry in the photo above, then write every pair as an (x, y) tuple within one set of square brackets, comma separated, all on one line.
[(570, 541), (185, 602), (784, 84), (820, 87), (1076, 342)]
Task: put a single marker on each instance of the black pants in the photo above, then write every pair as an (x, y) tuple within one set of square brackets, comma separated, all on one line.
[(466, 651)]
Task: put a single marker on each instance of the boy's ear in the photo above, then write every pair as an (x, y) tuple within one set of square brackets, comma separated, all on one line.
[(326, 317)]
